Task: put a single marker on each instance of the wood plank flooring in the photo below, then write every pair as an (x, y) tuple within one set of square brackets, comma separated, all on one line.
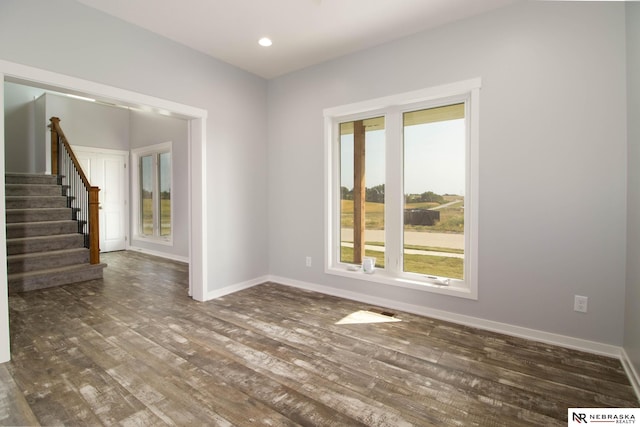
[(133, 350)]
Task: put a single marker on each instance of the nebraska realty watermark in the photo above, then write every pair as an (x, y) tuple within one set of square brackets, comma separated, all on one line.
[(598, 416)]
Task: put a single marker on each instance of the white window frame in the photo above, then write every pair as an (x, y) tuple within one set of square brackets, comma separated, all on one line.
[(136, 154), (392, 108)]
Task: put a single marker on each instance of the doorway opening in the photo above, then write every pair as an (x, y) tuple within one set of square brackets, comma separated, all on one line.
[(196, 117)]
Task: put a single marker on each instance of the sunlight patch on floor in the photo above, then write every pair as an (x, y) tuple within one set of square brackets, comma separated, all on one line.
[(365, 316)]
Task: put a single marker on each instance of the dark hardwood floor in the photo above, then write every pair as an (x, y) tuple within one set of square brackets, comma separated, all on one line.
[(133, 349)]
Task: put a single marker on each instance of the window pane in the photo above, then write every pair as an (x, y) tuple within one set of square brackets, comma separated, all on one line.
[(164, 173), (146, 196), (434, 187), (362, 171)]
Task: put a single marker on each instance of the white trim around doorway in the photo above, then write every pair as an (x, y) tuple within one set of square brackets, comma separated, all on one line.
[(24, 74)]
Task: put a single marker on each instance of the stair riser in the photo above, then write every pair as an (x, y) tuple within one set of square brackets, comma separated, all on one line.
[(36, 202), (45, 261), (33, 190), (54, 214), (30, 179), (24, 284), (50, 228), (55, 243)]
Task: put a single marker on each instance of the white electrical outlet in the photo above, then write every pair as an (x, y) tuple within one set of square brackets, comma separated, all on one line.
[(580, 303), (308, 261)]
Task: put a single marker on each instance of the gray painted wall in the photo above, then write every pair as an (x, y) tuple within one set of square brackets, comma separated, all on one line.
[(21, 143), (97, 47), (632, 312), (89, 124), (552, 160)]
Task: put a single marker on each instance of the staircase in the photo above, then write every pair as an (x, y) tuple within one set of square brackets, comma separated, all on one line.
[(44, 247)]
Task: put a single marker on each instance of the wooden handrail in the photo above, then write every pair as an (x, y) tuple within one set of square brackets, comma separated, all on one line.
[(55, 128), (94, 205)]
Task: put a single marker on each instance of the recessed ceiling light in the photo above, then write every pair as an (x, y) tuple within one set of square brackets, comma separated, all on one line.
[(265, 41)]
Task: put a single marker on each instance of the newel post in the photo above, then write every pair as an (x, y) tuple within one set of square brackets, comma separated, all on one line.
[(94, 231), (55, 122)]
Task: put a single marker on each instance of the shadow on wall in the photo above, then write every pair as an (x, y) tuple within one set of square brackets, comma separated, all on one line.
[(20, 142)]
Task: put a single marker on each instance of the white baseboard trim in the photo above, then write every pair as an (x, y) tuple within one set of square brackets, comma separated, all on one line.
[(158, 254), (476, 322), (217, 293), (631, 371)]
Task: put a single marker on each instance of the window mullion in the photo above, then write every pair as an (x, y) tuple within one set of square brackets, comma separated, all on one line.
[(394, 193), (359, 191), (156, 194)]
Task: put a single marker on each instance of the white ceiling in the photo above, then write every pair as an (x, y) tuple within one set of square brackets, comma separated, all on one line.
[(304, 32)]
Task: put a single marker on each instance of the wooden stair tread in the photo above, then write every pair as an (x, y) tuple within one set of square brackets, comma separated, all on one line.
[(34, 196), (40, 254), (49, 271), (34, 209), (32, 238), (55, 221)]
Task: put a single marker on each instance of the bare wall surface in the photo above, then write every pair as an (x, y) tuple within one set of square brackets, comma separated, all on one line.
[(552, 160), (90, 124), (84, 123), (99, 48), (632, 312), (21, 142)]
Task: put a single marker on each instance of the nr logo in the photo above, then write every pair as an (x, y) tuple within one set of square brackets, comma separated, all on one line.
[(579, 418)]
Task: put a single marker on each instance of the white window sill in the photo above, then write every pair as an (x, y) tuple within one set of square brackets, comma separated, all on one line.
[(155, 240), (380, 276)]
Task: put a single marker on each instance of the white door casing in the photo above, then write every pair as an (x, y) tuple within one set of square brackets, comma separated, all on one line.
[(108, 170)]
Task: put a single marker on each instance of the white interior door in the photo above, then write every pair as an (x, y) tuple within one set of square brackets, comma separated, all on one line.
[(107, 169)]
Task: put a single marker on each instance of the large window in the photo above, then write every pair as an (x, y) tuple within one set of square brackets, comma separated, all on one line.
[(152, 186), (402, 186)]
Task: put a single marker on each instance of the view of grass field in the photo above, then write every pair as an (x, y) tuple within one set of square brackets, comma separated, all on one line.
[(451, 217), (424, 264), (451, 221), (147, 217)]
